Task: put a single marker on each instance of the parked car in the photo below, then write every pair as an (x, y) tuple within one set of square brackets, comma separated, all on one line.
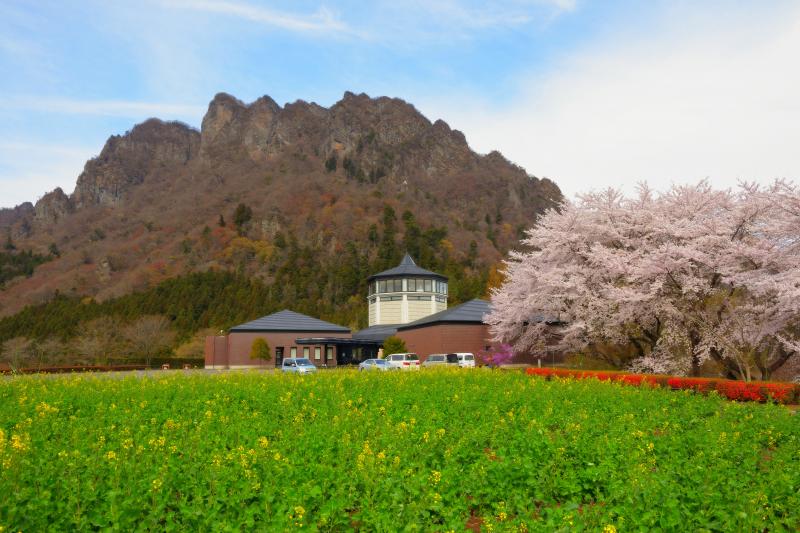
[(440, 359), (465, 360), (299, 365), (376, 364), (404, 361)]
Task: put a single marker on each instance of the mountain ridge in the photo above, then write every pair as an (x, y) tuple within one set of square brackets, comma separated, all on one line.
[(143, 209)]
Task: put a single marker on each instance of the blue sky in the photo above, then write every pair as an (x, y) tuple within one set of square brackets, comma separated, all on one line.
[(589, 93)]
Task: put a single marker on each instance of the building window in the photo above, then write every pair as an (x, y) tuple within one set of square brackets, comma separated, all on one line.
[(317, 353), (441, 299), (382, 285), (329, 353), (391, 298), (420, 298), (391, 285), (306, 351), (293, 351), (441, 287), (428, 287)]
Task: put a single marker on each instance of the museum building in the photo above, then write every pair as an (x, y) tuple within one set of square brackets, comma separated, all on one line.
[(407, 301)]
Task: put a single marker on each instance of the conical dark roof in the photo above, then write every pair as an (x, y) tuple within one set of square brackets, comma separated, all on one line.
[(407, 268), (290, 321)]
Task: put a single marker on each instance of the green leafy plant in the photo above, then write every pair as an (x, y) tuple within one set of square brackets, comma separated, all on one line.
[(394, 345), (260, 350)]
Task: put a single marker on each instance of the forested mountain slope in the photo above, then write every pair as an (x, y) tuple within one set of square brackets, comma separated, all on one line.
[(307, 201)]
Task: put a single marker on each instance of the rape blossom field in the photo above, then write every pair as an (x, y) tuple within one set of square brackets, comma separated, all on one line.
[(423, 451)]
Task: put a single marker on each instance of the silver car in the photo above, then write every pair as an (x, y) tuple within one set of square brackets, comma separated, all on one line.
[(440, 359), (299, 365), (375, 364)]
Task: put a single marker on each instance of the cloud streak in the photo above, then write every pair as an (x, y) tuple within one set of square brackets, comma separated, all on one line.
[(109, 108), (323, 21)]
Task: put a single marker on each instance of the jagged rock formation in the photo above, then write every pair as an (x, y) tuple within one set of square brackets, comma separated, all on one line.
[(149, 205), (127, 159), (52, 206)]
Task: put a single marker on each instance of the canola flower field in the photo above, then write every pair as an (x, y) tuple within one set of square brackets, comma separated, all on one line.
[(423, 451)]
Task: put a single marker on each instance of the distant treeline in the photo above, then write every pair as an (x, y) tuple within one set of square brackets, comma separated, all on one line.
[(332, 287), (23, 263)]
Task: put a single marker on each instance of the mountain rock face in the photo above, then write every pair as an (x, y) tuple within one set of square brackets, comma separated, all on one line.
[(52, 206), (11, 216), (126, 160), (155, 202)]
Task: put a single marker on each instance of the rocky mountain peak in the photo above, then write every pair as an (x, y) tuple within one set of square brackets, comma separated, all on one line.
[(320, 175), (126, 159), (52, 206)]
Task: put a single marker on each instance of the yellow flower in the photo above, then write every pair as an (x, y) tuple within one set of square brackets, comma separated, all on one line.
[(263, 442), (610, 529), (111, 455), (18, 443), (157, 484), (436, 477)]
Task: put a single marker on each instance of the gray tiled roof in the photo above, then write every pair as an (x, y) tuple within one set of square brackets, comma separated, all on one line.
[(407, 267), (471, 312), (290, 321), (376, 333)]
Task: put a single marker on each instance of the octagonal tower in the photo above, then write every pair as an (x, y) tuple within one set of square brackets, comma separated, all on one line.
[(405, 293)]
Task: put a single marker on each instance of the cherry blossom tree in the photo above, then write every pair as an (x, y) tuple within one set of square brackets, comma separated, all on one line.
[(690, 275)]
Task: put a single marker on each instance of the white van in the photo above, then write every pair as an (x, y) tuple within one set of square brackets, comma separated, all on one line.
[(404, 361), (466, 360)]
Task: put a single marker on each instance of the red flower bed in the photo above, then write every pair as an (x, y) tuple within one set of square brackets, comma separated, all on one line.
[(754, 391)]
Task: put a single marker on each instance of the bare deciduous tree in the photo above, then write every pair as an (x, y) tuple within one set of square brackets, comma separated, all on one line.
[(98, 340), (16, 352), (147, 336)]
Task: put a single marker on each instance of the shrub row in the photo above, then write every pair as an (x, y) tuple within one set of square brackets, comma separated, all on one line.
[(75, 368), (754, 391)]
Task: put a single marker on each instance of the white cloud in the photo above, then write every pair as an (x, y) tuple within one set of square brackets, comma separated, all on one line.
[(700, 95), (414, 23), (112, 108), (30, 170), (321, 21)]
